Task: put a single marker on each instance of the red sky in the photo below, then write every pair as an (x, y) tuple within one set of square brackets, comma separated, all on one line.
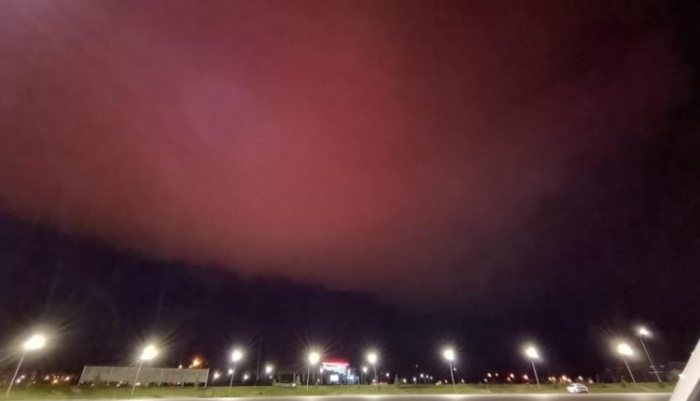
[(390, 146)]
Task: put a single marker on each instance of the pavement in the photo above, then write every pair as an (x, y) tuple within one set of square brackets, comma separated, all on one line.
[(453, 397)]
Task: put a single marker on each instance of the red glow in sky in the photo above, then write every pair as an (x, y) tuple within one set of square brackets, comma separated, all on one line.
[(390, 146)]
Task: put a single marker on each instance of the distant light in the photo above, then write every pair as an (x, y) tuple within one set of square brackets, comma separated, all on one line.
[(421, 375), (217, 375), (364, 369), (531, 352), (449, 354), (525, 377), (196, 362), (268, 369), (230, 372), (149, 353), (624, 349), (35, 342), (372, 358), (236, 355), (245, 377), (644, 332), (314, 357), (488, 374)]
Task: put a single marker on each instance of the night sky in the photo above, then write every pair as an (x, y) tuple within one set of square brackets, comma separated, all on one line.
[(398, 174)]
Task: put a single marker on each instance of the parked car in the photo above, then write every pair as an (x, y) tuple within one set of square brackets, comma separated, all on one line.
[(577, 388)]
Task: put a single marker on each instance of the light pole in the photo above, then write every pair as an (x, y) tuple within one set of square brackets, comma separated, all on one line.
[(34, 343), (643, 332), (372, 358), (626, 351), (148, 354), (236, 356), (532, 353), (314, 357), (449, 354)]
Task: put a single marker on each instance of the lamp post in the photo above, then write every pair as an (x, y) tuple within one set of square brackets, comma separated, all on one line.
[(626, 351), (532, 353), (372, 358), (34, 343), (449, 354), (314, 357), (236, 356), (148, 354), (643, 332)]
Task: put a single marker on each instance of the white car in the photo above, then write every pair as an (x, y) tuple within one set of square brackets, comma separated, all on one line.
[(576, 388)]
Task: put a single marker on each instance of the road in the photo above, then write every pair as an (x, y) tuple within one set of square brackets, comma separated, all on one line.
[(452, 397)]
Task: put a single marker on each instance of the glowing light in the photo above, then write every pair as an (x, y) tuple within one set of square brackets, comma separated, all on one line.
[(236, 355), (644, 332), (149, 353), (34, 343), (532, 353), (196, 362), (449, 354), (245, 377), (364, 369), (314, 357), (624, 349), (268, 369), (217, 375), (372, 358)]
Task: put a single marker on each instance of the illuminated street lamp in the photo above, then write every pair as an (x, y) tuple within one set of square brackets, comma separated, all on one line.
[(364, 370), (449, 354), (532, 353), (34, 343), (314, 357), (236, 356), (149, 353), (626, 351), (643, 332), (268, 369), (196, 362), (372, 358)]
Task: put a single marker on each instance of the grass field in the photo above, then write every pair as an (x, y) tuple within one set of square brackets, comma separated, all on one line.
[(270, 391)]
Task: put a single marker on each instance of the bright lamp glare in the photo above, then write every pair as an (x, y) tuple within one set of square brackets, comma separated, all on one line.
[(644, 332), (268, 369), (372, 358), (449, 354), (35, 342), (532, 353), (314, 357), (237, 355), (624, 349), (149, 353)]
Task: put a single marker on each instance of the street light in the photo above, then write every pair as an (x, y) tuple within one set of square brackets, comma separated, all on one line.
[(149, 353), (643, 332), (314, 357), (236, 356), (532, 353), (268, 369), (626, 351), (449, 354), (372, 358), (364, 370), (34, 343)]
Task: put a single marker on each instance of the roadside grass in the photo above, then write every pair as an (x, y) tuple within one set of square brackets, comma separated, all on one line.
[(85, 392)]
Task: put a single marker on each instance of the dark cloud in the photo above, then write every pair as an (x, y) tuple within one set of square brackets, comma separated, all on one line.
[(423, 150)]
